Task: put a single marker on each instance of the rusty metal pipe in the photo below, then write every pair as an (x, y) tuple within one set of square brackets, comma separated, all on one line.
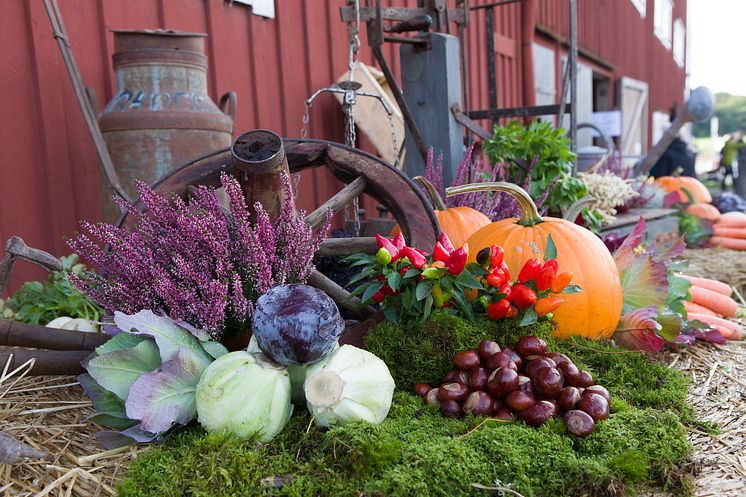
[(258, 161)]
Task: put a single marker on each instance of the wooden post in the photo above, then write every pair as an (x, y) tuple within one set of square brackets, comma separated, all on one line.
[(258, 161), (431, 83)]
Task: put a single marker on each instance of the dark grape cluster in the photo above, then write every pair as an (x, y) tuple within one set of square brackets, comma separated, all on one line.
[(525, 381)]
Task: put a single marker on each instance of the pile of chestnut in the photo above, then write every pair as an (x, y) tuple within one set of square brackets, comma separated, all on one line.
[(523, 381)]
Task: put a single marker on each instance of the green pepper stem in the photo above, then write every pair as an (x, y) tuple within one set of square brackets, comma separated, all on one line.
[(438, 203), (529, 213)]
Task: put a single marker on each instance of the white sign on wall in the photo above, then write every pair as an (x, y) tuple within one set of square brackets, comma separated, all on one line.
[(608, 121)]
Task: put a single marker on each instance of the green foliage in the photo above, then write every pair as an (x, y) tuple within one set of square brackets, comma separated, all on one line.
[(696, 231), (39, 303), (516, 146), (731, 113), (417, 451)]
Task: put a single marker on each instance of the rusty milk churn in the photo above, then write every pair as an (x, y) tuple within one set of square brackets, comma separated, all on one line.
[(161, 116)]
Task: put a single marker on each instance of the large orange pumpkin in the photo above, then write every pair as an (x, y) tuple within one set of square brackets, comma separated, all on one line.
[(679, 183), (459, 223), (594, 312)]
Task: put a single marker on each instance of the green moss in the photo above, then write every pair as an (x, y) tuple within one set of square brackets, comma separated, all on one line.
[(417, 451), (423, 354)]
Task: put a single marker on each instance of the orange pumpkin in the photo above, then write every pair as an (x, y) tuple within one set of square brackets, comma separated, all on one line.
[(704, 211), (594, 312), (683, 184), (459, 223)]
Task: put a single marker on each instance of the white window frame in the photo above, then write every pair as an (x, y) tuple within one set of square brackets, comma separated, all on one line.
[(262, 8), (663, 21), (679, 42), (641, 6)]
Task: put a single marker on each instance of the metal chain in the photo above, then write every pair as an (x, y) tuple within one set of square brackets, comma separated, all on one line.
[(306, 118), (353, 31)]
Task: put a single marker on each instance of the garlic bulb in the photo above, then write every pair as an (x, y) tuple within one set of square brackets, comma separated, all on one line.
[(609, 192)]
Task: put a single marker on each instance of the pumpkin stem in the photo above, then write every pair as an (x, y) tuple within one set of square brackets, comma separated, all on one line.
[(529, 213), (438, 203), (575, 209)]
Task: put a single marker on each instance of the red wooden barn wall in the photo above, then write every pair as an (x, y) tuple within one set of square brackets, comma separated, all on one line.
[(48, 165), (613, 31)]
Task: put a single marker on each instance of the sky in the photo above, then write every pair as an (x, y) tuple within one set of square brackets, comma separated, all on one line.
[(717, 31)]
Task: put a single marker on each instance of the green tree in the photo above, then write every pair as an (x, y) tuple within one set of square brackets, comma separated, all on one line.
[(730, 111)]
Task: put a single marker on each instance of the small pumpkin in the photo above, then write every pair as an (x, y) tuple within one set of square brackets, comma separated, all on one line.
[(459, 223), (594, 312), (684, 184), (704, 211)]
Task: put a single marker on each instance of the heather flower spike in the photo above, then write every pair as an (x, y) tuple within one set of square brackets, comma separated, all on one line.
[(194, 261)]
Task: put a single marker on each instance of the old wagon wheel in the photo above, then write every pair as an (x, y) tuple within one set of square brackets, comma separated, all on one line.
[(360, 171)]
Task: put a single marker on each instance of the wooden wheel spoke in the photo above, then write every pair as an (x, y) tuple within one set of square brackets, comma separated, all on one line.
[(337, 202), (347, 246), (340, 295)]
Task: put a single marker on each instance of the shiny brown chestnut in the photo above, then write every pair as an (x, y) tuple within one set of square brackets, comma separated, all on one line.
[(486, 348), (478, 404), (502, 381), (538, 414), (456, 376), (478, 379), (598, 389), (421, 389), (570, 373), (531, 345), (532, 367), (500, 360), (585, 379), (450, 408), (432, 396), (514, 357), (568, 398), (548, 382), (579, 423), (594, 405), (558, 357), (466, 360), (504, 414), (453, 391), (526, 384), (518, 401)]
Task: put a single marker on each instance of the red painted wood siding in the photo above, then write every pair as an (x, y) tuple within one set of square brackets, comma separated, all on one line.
[(48, 164), (614, 31)]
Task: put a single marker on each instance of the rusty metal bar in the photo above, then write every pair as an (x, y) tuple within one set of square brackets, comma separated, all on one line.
[(539, 110), (467, 123), (495, 4)]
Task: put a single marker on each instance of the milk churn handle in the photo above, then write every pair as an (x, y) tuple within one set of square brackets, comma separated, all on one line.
[(229, 99)]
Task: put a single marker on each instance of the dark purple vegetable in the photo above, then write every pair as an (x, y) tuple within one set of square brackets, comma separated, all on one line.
[(729, 202), (296, 324)]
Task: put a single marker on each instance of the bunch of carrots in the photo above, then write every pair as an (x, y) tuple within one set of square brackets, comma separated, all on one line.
[(730, 231), (711, 303)]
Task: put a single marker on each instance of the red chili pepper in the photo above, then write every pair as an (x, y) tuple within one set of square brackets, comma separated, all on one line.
[(417, 259), (553, 263), (379, 296), (446, 242), (545, 278), (419, 251), (457, 262), (505, 290), (561, 281), (498, 310), (505, 270), (399, 242), (440, 253), (498, 255), (384, 242), (403, 270), (496, 278), (547, 304), (512, 312), (522, 296), (530, 270)]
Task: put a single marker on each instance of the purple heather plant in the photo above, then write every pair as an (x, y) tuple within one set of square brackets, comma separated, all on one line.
[(196, 261), (496, 205)]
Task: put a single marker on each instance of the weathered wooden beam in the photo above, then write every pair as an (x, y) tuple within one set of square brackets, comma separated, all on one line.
[(347, 246), (336, 202), (17, 334), (340, 295)]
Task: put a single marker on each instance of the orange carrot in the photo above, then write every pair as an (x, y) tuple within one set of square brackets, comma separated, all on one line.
[(717, 302), (734, 219), (729, 231), (735, 329), (699, 309), (729, 243), (714, 285), (727, 334)]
